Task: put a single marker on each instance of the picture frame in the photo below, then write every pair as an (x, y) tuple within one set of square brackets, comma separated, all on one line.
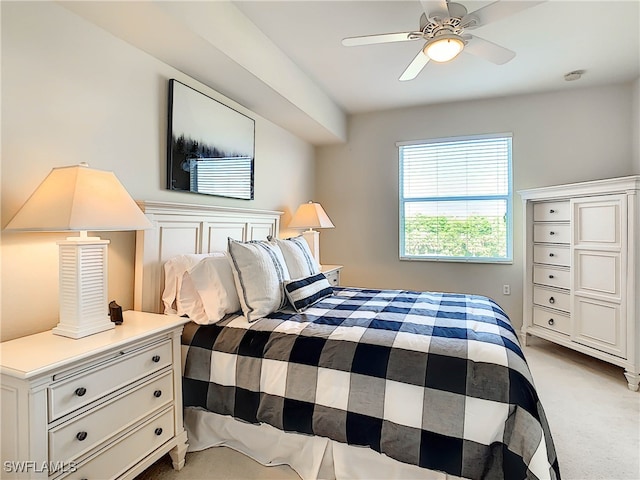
[(211, 146)]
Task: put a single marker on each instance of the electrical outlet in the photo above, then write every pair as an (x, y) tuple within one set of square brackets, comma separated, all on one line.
[(506, 289)]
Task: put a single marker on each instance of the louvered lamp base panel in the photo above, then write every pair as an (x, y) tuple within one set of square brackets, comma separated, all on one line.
[(83, 289)]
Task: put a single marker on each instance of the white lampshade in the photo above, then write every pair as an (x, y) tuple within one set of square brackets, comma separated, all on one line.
[(310, 215), (443, 47), (79, 198)]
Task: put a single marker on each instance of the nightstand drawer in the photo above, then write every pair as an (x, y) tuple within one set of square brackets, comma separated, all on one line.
[(332, 272), (69, 395), (124, 453), (333, 278), (90, 429)]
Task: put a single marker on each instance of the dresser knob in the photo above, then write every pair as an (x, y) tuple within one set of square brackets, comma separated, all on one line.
[(158, 431), (551, 276), (80, 391), (157, 393), (155, 358), (552, 233), (552, 254), (551, 322), (552, 211), (552, 300), (81, 435)]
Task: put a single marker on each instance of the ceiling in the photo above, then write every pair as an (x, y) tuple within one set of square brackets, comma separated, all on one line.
[(284, 59)]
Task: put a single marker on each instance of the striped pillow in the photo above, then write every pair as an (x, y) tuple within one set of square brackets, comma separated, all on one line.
[(259, 272), (298, 256), (304, 292)]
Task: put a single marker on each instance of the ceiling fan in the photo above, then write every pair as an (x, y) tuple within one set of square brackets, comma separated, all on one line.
[(444, 27)]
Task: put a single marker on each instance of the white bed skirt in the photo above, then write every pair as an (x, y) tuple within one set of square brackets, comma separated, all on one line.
[(311, 457)]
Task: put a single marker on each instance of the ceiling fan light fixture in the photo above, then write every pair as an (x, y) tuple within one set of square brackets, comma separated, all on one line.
[(443, 47)]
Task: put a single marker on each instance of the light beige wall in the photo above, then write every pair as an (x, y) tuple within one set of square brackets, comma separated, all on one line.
[(557, 138), (72, 92), (635, 125)]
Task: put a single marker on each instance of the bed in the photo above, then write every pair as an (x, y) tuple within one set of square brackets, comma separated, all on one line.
[(358, 383)]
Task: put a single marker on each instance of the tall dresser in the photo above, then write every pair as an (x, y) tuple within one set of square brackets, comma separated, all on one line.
[(581, 275)]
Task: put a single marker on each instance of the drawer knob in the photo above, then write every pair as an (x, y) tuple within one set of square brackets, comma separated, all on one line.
[(552, 232), (81, 436), (551, 276), (552, 211), (80, 391), (551, 322), (155, 358), (552, 254), (158, 431), (552, 300), (157, 393)]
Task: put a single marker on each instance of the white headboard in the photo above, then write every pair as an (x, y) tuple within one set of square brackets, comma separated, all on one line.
[(180, 228)]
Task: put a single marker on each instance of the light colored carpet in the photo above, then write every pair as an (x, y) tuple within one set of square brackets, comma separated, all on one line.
[(594, 419)]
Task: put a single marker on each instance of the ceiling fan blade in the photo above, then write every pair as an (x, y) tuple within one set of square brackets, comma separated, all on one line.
[(501, 9), (415, 67), (433, 6), (382, 38), (488, 50)]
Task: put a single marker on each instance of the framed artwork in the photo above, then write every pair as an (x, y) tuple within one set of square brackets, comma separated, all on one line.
[(211, 146)]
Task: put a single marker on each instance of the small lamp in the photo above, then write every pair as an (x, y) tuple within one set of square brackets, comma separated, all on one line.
[(78, 198), (311, 215)]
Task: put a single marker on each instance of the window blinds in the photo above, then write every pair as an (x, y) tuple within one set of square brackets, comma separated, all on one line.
[(455, 198)]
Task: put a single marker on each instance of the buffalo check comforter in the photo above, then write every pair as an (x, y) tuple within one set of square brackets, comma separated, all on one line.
[(432, 379)]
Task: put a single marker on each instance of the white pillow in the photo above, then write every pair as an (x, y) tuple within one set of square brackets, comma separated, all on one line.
[(189, 302), (174, 269), (259, 271), (212, 279), (297, 256)]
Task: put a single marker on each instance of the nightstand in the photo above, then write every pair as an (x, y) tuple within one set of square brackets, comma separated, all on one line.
[(104, 406), (332, 272)]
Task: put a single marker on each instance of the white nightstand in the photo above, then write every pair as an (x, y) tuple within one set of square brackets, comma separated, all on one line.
[(332, 272), (104, 406)]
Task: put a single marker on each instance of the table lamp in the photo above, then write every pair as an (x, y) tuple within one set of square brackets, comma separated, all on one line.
[(78, 198), (311, 215)]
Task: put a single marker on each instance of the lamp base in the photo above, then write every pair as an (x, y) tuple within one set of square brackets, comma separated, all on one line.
[(313, 239), (75, 331), (83, 287)]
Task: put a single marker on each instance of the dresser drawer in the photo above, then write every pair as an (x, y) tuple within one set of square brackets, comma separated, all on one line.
[(90, 429), (552, 255), (551, 233), (551, 211), (553, 277), (552, 298), (556, 321), (82, 389), (125, 452)]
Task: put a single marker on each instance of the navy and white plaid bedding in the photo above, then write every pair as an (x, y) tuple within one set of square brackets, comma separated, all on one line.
[(432, 379)]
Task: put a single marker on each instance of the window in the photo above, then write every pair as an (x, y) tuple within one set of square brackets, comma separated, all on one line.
[(455, 199)]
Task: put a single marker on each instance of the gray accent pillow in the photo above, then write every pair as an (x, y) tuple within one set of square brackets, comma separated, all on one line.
[(298, 256), (259, 272)]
